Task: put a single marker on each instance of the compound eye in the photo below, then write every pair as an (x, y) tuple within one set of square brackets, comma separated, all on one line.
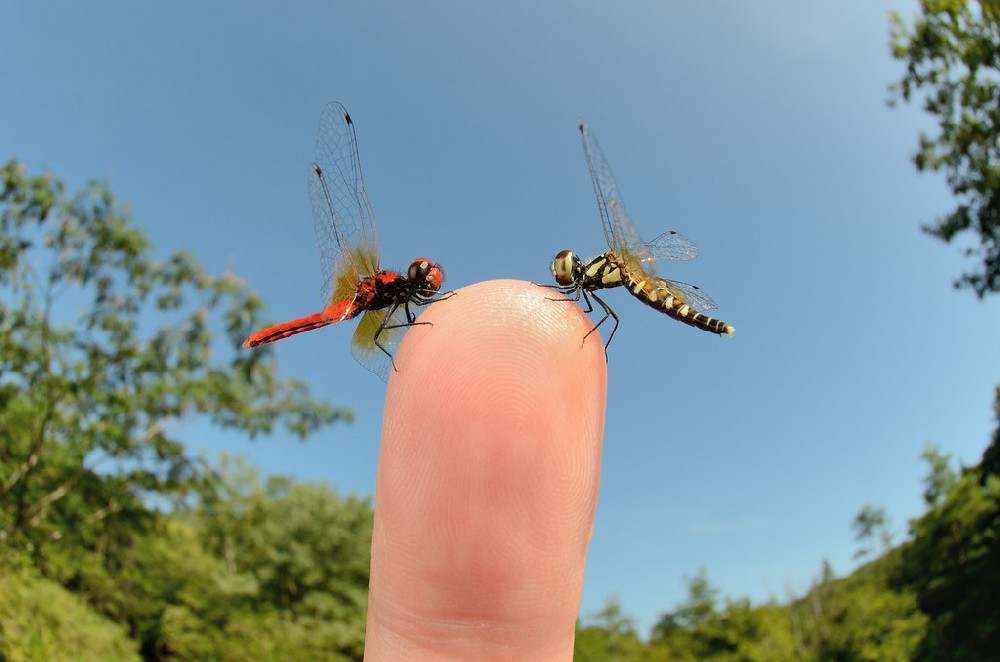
[(564, 266), (418, 270)]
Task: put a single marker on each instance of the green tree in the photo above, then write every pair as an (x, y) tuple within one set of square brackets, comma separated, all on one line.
[(953, 565), (253, 571), (871, 524), (102, 350), (305, 549), (861, 617), (678, 633), (41, 620), (608, 636), (940, 479), (699, 607), (951, 54), (737, 631), (990, 464), (743, 632)]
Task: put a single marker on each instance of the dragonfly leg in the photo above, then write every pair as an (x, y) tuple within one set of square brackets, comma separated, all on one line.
[(422, 300), (570, 289), (410, 321), (410, 317), (440, 296), (407, 325), (607, 313), (382, 327), (567, 290)]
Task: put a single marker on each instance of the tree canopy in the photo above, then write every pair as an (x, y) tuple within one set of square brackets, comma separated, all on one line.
[(116, 540), (102, 347), (952, 54)]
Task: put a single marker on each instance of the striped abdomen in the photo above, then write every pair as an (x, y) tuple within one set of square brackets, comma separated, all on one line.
[(656, 294)]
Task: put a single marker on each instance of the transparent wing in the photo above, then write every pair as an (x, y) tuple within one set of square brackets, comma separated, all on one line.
[(621, 233), (363, 344), (345, 222), (692, 295), (672, 246)]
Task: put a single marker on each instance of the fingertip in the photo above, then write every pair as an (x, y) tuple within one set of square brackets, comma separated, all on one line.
[(502, 327), (488, 473)]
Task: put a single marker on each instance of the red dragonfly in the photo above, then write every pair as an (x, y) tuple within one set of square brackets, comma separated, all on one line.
[(352, 280)]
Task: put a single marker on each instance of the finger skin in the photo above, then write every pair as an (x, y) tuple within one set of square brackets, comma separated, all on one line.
[(488, 479)]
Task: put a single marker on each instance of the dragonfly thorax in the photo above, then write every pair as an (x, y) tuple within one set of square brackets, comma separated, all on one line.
[(567, 268)]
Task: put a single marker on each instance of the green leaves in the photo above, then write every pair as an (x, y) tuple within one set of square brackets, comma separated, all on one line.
[(102, 349), (952, 56), (953, 564), (285, 561), (41, 620)]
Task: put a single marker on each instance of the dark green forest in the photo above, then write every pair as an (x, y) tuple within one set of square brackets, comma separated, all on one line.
[(933, 597), (117, 543)]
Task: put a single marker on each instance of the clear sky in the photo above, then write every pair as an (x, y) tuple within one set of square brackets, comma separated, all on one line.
[(759, 130)]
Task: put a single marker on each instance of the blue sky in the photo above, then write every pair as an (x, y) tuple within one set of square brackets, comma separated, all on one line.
[(759, 130)]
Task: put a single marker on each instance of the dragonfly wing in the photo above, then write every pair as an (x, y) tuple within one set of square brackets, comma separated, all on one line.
[(363, 344), (345, 222), (693, 295), (619, 230), (623, 237), (672, 246)]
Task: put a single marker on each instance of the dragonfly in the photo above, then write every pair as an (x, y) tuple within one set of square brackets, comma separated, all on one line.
[(353, 281), (630, 262)]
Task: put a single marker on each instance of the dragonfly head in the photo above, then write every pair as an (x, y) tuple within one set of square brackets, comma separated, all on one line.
[(567, 268), (425, 275)]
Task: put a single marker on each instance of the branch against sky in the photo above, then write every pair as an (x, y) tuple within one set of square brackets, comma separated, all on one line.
[(952, 54)]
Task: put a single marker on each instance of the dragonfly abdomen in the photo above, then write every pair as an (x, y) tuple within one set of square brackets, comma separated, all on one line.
[(338, 312), (658, 297)]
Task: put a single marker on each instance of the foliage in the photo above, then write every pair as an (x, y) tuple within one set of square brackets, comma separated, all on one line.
[(953, 565), (610, 635), (990, 464), (860, 617), (305, 551), (698, 609), (871, 524), (698, 630), (952, 55), (952, 562), (932, 598), (101, 349), (275, 571), (941, 478), (41, 620)]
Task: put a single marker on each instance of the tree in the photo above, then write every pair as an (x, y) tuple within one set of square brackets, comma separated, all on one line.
[(101, 349), (990, 464), (268, 571), (857, 618), (306, 551), (869, 524), (697, 630), (940, 478), (953, 566), (699, 607), (952, 55), (41, 620), (609, 636)]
